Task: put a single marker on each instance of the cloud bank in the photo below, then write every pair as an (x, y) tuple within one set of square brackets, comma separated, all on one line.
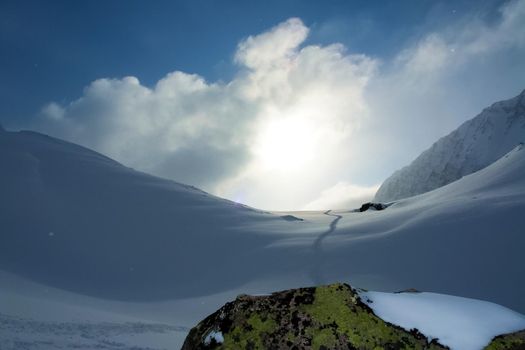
[(297, 119), (343, 196)]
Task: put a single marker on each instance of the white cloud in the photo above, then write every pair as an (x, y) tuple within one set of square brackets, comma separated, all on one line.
[(297, 119), (446, 51), (53, 111), (431, 54), (286, 112), (273, 48), (343, 196), (443, 79)]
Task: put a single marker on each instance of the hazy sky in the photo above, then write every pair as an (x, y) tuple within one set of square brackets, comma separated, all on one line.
[(277, 104)]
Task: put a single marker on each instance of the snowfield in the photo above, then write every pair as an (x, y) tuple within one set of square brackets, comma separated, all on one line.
[(110, 250)]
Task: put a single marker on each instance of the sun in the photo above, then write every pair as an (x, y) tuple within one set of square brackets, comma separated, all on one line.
[(285, 144)]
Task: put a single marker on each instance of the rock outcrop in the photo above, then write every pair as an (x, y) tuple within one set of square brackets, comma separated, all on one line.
[(326, 317), (512, 341), (372, 206)]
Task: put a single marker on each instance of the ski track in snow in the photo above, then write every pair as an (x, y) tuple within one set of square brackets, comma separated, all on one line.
[(317, 249), (21, 333)]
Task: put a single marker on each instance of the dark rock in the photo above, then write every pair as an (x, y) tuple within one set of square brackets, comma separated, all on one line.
[(373, 206), (408, 290), (291, 218), (326, 317)]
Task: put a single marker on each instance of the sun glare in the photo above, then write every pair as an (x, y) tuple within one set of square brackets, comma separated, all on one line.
[(285, 144)]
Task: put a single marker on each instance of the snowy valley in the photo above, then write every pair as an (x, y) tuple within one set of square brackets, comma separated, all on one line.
[(95, 255)]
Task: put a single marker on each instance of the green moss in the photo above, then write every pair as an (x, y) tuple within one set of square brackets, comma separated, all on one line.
[(290, 337), (322, 338), (364, 330), (508, 342), (267, 325), (251, 336), (328, 317)]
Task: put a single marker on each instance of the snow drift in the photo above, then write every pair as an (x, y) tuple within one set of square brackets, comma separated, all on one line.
[(75, 219), (466, 238)]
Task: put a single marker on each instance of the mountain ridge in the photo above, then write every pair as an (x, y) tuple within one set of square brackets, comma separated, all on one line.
[(86, 223), (474, 145)]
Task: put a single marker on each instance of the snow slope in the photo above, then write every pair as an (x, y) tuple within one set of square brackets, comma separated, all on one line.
[(72, 219), (466, 238), (34, 316), (77, 220), (474, 145)]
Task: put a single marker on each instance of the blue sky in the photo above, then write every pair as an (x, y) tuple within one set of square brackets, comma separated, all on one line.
[(51, 50), (242, 98)]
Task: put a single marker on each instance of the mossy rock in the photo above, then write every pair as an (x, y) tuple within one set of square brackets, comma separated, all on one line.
[(326, 317), (512, 341)]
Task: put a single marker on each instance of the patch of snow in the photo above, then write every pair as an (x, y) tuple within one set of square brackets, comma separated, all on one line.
[(214, 335), (460, 323)]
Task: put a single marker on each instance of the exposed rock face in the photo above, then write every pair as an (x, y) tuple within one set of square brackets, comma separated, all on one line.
[(326, 317), (512, 341), (372, 206), (476, 144)]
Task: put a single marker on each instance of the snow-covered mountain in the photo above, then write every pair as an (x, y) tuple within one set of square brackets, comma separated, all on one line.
[(465, 238), (474, 145), (72, 219), (75, 219)]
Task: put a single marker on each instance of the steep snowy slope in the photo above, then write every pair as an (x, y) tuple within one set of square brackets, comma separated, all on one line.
[(466, 238), (75, 219), (474, 145)]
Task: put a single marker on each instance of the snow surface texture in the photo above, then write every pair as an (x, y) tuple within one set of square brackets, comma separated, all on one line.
[(459, 323), (34, 316), (19, 333), (84, 222), (474, 145), (75, 220), (465, 238)]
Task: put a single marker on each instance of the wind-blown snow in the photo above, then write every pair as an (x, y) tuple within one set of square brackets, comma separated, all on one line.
[(460, 323), (473, 146)]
